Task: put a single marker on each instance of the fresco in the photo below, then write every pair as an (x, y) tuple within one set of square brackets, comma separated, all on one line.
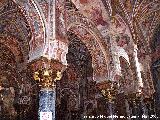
[(14, 29), (127, 80), (61, 21), (98, 40), (92, 8), (36, 24), (155, 44), (56, 50), (98, 61), (77, 85), (7, 96)]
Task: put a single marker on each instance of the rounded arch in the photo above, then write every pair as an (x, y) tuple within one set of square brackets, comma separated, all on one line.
[(106, 54), (99, 65), (76, 84), (76, 19), (37, 22), (15, 27), (79, 57)]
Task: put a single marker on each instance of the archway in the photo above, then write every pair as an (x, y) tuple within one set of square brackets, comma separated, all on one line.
[(14, 29), (76, 86)]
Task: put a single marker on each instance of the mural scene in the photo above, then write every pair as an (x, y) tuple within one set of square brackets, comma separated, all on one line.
[(79, 59)]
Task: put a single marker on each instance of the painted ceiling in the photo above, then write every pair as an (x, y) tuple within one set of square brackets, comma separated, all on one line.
[(98, 41), (109, 29)]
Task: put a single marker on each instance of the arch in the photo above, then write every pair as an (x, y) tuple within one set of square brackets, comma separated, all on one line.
[(37, 22), (14, 26), (75, 85), (76, 19), (100, 70), (79, 59)]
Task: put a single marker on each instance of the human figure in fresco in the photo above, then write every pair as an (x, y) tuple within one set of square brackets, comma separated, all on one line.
[(97, 16)]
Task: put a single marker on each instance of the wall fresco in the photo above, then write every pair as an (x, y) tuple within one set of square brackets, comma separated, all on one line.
[(98, 62), (110, 30)]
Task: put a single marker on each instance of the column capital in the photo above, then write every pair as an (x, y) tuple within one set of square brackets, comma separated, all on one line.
[(46, 71), (109, 89), (134, 96)]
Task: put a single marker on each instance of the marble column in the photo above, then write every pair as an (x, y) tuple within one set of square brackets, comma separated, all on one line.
[(46, 72), (47, 99)]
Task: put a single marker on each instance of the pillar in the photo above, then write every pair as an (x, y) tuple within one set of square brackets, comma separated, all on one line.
[(47, 99), (46, 72)]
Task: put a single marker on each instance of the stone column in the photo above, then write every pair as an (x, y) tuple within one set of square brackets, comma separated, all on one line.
[(47, 99), (46, 72)]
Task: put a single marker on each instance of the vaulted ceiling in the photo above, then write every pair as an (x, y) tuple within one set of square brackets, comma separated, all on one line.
[(24, 26), (140, 16)]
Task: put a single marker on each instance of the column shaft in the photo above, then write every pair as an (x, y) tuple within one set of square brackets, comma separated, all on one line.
[(47, 99)]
